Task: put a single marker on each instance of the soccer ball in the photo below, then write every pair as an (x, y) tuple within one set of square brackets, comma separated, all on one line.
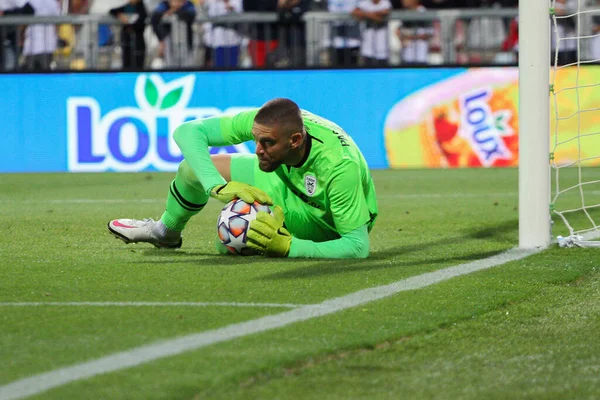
[(233, 224)]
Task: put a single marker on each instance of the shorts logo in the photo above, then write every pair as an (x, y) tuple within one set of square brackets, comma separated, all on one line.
[(310, 183)]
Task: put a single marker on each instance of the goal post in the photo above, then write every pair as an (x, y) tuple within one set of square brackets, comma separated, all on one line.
[(534, 124), (559, 123)]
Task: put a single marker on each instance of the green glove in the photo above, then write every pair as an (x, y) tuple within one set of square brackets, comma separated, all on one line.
[(240, 190), (267, 234)]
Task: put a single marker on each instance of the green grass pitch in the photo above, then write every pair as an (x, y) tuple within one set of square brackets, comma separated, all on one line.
[(525, 329)]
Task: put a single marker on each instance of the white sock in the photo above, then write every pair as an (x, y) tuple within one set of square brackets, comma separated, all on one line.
[(165, 233)]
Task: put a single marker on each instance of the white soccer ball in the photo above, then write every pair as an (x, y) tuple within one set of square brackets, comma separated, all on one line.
[(234, 222)]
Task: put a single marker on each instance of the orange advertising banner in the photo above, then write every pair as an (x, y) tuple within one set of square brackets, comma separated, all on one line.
[(472, 120)]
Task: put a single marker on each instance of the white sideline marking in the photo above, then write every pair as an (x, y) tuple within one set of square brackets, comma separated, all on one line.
[(82, 201), (144, 304), (143, 354)]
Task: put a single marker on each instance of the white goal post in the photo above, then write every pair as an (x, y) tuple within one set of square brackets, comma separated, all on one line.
[(534, 124), (559, 129)]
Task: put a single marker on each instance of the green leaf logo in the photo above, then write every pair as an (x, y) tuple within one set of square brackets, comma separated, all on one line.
[(502, 122), (151, 92), (171, 98)]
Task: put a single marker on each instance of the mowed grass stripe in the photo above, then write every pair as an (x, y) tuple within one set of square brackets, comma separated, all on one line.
[(140, 355), (398, 196), (159, 200)]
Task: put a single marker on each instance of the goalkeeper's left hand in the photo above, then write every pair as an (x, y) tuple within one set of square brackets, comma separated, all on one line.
[(267, 234), (240, 190)]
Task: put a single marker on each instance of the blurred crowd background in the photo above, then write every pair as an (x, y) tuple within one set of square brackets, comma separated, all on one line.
[(38, 35)]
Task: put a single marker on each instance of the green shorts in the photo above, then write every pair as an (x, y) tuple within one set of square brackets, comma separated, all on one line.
[(300, 219)]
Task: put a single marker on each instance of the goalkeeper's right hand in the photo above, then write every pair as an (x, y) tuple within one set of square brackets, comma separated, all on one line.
[(240, 190)]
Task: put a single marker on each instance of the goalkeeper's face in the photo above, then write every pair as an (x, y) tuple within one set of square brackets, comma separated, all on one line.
[(274, 148)]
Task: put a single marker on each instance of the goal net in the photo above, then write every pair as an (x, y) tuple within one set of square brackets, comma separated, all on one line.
[(575, 122)]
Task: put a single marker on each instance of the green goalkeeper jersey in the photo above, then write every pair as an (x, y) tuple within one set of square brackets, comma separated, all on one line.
[(333, 185)]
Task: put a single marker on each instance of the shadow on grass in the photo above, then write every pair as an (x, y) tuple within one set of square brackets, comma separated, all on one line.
[(332, 267), (494, 232), (200, 258), (391, 257), (380, 259)]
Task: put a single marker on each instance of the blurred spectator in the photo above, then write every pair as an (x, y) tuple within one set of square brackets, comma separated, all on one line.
[(374, 47), (471, 3), (511, 43), (565, 28), (441, 4), (8, 34), (595, 42), (133, 46), (71, 45), (345, 35), (437, 40), (292, 36), (206, 44), (41, 39), (186, 12), (263, 37), (223, 40), (415, 36), (485, 36), (205, 34), (79, 7)]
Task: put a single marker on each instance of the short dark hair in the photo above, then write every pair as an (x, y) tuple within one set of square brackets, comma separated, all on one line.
[(282, 114)]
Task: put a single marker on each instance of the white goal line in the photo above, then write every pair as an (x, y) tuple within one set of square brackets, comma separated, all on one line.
[(146, 304)]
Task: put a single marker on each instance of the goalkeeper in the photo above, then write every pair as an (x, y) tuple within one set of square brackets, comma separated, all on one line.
[(306, 166)]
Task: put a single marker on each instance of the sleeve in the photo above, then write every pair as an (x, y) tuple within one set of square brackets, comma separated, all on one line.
[(237, 5), (142, 15), (248, 5), (187, 13), (512, 37), (157, 15), (269, 6), (26, 9), (346, 198), (56, 9), (194, 138), (426, 30), (354, 244), (161, 8), (116, 11)]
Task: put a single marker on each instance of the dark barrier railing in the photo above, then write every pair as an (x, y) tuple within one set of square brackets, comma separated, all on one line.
[(258, 40)]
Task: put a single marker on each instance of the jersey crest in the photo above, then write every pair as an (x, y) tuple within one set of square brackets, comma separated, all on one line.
[(310, 183)]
